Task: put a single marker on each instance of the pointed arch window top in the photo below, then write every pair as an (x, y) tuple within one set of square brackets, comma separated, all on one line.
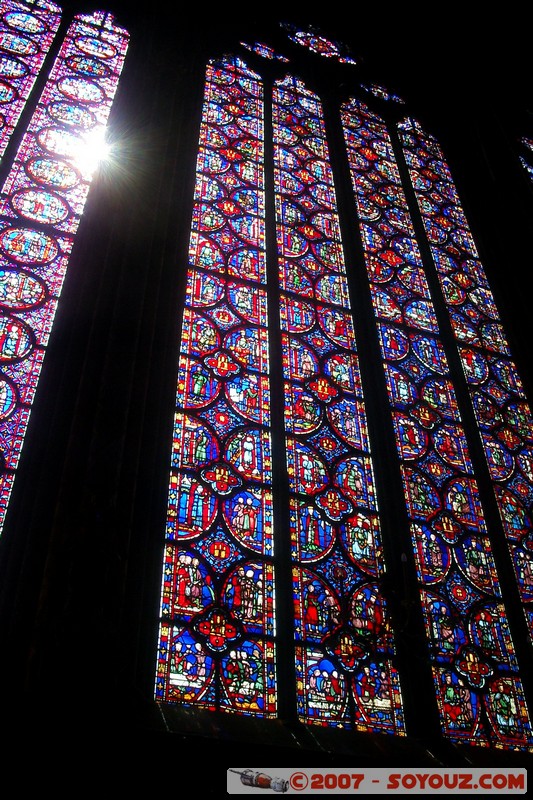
[(293, 84), (102, 19), (227, 65), (410, 124)]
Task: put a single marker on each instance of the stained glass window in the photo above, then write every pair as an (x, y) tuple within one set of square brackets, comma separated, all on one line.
[(526, 160), (473, 659), (27, 30), (501, 408), (344, 639), (264, 50), (316, 42), (381, 92), (40, 208), (275, 547), (344, 648), (218, 623)]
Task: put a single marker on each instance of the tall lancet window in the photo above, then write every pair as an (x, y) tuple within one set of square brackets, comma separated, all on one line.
[(27, 30), (283, 529), (40, 208), (218, 598), (344, 641), (501, 408), (218, 622), (473, 659)]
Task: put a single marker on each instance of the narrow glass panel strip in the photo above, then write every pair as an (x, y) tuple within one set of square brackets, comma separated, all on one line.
[(27, 29), (40, 209), (478, 686), (500, 406), (344, 641), (216, 646), (526, 159)]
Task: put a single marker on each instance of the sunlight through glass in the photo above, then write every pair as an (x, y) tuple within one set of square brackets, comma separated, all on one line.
[(92, 151)]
